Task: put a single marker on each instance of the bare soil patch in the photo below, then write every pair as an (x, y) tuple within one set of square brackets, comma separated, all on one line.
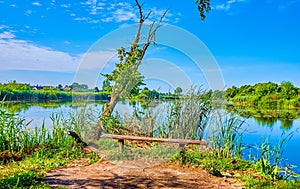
[(142, 173)]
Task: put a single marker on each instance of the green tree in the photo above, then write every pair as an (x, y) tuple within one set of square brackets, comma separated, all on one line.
[(60, 87), (178, 91), (231, 92), (106, 86), (287, 90), (126, 77), (79, 87)]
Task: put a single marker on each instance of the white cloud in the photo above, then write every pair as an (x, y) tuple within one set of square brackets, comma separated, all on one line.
[(94, 11), (28, 12), (121, 15), (126, 12), (2, 27), (87, 20), (95, 59), (226, 5), (36, 4), (108, 19), (23, 55), (222, 7), (6, 35), (65, 6)]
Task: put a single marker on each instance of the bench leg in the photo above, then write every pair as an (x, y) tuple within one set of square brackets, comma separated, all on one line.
[(121, 145), (181, 146)]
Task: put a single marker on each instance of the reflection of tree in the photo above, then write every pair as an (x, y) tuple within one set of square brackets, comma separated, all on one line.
[(264, 116), (14, 108), (286, 123), (269, 121)]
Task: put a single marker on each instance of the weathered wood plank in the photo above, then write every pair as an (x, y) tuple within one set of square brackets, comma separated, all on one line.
[(149, 139)]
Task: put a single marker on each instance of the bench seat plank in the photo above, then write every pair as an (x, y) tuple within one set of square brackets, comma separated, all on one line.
[(149, 139)]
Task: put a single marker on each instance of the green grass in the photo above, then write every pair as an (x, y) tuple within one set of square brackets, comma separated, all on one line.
[(38, 150), (32, 169), (249, 172)]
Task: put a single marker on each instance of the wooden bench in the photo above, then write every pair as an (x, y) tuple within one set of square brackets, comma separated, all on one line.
[(181, 142)]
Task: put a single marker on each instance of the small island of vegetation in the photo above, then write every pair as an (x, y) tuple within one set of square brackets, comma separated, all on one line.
[(272, 95)]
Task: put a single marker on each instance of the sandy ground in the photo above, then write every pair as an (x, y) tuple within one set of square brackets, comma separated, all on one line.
[(134, 174)]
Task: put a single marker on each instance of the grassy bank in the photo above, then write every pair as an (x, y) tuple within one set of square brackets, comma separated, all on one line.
[(224, 158), (250, 174), (26, 155)]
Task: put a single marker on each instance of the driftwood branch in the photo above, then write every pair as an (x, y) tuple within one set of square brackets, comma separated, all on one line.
[(87, 148), (77, 139)]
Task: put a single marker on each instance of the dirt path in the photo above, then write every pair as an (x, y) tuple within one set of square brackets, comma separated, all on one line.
[(134, 174)]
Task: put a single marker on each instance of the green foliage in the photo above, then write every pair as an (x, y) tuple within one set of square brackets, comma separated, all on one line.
[(184, 118), (203, 7), (198, 157), (126, 76), (189, 115), (21, 180), (106, 86), (79, 87), (13, 91), (112, 125), (265, 95), (178, 91), (147, 94), (38, 150), (252, 174), (265, 116), (253, 182), (226, 136), (14, 86), (270, 158), (287, 90)]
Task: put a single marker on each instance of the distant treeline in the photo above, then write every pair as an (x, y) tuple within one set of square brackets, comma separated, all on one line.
[(14, 91), (265, 94)]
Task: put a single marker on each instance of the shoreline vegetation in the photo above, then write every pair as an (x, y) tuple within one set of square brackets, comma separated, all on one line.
[(269, 95), (18, 92), (261, 95), (26, 155)]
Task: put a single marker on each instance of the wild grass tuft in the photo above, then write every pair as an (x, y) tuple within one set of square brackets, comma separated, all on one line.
[(226, 136)]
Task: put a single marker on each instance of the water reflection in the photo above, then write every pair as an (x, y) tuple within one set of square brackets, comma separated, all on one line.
[(267, 117), (16, 108)]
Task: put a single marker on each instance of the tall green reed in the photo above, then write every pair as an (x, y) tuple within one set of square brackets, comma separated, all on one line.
[(226, 135), (16, 137), (11, 131), (270, 158), (185, 118)]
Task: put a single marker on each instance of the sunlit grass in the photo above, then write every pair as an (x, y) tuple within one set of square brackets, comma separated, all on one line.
[(38, 150)]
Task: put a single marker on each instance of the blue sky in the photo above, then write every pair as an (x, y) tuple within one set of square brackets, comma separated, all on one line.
[(49, 42)]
